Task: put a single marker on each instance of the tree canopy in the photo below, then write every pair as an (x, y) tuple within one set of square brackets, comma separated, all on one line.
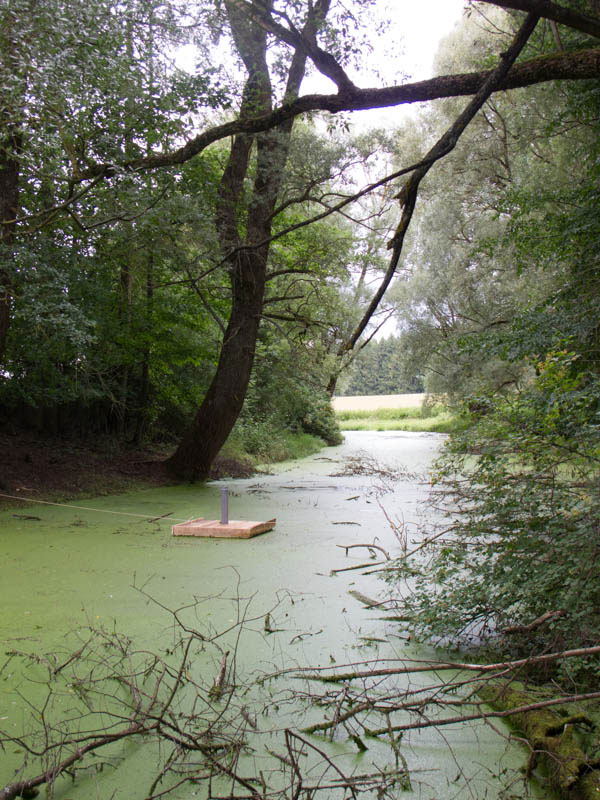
[(153, 221)]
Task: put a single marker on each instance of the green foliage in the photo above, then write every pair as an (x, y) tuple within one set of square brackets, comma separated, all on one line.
[(525, 540), (104, 332), (266, 443), (491, 207), (520, 482), (282, 398), (380, 368), (319, 419)]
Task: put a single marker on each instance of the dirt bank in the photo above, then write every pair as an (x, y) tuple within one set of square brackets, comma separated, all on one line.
[(49, 469)]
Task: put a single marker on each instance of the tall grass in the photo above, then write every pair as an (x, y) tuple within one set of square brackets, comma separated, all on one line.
[(435, 419), (392, 413)]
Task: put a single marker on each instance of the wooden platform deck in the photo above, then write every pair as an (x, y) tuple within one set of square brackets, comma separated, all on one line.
[(234, 529)]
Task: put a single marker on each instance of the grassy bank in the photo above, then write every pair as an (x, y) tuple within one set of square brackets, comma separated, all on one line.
[(434, 418), (250, 447)]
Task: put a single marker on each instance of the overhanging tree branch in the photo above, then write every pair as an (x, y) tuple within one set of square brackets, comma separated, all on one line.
[(323, 61), (579, 65), (544, 8), (444, 145)]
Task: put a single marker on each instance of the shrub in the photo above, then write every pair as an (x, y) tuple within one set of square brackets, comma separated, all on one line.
[(524, 517)]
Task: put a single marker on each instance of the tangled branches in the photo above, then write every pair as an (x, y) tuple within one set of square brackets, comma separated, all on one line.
[(200, 723), (184, 701)]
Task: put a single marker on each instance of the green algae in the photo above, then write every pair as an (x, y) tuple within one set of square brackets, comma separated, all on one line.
[(77, 568)]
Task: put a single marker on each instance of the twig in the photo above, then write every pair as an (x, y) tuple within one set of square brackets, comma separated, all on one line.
[(162, 516), (357, 566), (217, 687), (347, 547), (436, 666), (366, 601), (561, 612)]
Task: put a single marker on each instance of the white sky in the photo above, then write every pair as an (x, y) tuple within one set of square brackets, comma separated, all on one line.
[(402, 56), (407, 50), (423, 24)]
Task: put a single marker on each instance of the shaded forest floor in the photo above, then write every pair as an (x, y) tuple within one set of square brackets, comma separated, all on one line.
[(32, 466)]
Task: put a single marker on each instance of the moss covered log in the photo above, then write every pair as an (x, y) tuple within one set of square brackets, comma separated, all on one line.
[(554, 742)]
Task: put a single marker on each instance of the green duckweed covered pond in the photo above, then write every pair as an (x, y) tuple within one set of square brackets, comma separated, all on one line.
[(73, 569)]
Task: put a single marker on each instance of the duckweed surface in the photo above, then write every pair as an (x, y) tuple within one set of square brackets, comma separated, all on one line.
[(72, 568)]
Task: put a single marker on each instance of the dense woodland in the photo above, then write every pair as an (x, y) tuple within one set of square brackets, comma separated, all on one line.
[(187, 253), (501, 310), (158, 281), (381, 368)]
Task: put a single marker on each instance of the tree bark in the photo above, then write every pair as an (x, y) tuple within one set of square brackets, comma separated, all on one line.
[(552, 11), (225, 397), (248, 266), (568, 65), (10, 146)]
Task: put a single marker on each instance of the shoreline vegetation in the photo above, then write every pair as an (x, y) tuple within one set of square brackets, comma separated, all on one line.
[(561, 748), (561, 744), (56, 469)]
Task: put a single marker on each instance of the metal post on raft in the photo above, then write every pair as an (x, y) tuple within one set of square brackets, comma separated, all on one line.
[(224, 505)]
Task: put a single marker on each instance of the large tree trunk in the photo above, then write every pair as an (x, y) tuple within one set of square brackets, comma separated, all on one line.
[(248, 255), (9, 199), (225, 397)]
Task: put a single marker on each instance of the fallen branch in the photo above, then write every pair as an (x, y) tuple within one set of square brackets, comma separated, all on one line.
[(347, 547), (357, 566), (26, 788), (561, 612), (219, 684), (436, 666), (366, 601), (435, 723), (406, 556), (162, 516)]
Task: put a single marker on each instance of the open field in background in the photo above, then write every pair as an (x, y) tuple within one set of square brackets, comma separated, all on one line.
[(370, 402), (400, 412)]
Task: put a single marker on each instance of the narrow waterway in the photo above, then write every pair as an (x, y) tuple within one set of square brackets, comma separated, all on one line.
[(73, 567)]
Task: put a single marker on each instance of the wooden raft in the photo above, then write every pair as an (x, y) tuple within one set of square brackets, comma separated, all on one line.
[(234, 529)]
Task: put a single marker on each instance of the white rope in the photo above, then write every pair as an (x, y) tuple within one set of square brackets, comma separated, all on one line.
[(98, 510)]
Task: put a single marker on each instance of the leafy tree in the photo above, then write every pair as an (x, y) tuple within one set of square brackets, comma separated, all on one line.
[(519, 564), (98, 154), (380, 368), (465, 286)]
